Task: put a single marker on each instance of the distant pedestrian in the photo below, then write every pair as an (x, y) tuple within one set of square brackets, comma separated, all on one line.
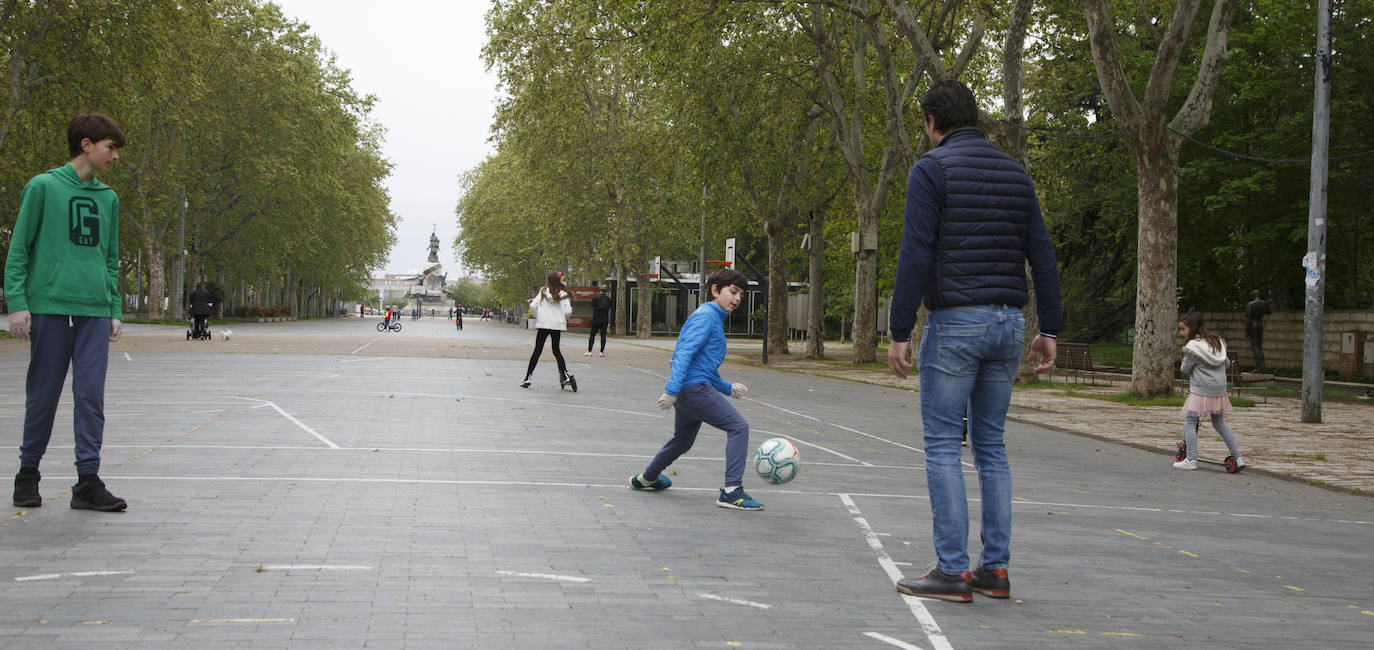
[(601, 320), (551, 307), (362, 311), (1204, 364), (62, 284), (697, 393)]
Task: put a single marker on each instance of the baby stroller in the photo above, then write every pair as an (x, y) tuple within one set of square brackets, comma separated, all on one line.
[(200, 328)]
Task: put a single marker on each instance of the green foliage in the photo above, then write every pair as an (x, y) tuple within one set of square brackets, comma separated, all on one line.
[(226, 105)]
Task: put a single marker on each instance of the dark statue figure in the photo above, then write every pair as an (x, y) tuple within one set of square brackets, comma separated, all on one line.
[(1255, 311)]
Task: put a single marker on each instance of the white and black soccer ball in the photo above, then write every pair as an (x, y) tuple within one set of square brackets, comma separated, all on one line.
[(776, 461)]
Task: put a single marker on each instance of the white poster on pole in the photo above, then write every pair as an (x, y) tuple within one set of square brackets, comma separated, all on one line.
[(730, 252)]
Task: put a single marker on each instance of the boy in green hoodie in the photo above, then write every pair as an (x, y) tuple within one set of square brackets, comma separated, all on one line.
[(61, 282)]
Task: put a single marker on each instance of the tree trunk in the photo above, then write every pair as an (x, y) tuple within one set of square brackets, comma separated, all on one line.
[(622, 300), (777, 285), (865, 332), (156, 281), (644, 311), (815, 278), (1156, 314)]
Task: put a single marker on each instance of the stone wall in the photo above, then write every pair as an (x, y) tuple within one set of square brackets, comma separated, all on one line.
[(1283, 334)]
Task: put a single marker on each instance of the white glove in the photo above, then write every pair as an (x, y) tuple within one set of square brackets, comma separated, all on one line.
[(666, 401), (737, 390)]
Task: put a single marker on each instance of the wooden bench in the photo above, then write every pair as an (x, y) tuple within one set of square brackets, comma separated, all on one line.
[(1240, 383), (1076, 360)]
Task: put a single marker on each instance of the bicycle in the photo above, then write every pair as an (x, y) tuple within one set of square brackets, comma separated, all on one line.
[(395, 326)]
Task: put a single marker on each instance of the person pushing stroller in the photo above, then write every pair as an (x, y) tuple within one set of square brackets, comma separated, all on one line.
[(200, 312)]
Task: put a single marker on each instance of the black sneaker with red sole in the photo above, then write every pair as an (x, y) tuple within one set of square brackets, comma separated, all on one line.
[(993, 583), (939, 585)]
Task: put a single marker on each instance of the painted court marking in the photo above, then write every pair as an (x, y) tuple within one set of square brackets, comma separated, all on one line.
[(74, 574), (923, 616), (891, 641), (736, 601), (303, 426), (545, 576), (316, 567)]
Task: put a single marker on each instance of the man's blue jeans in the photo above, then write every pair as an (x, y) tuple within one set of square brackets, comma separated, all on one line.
[(968, 360)]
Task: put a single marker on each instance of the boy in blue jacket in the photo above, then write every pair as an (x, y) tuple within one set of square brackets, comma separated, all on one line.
[(698, 393)]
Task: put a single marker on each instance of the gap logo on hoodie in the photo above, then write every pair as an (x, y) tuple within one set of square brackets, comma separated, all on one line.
[(83, 221)]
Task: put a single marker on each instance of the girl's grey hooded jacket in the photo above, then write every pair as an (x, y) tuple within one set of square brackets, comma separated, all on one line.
[(1205, 368)]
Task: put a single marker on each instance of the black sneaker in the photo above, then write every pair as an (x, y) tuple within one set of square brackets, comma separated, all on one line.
[(526, 383), (568, 381), (956, 589), (90, 494), (992, 583), (26, 488)]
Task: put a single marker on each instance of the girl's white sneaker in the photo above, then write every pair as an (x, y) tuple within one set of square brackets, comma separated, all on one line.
[(1186, 464)]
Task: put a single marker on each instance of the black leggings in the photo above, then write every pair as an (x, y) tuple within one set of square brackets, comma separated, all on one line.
[(539, 349), (597, 327)]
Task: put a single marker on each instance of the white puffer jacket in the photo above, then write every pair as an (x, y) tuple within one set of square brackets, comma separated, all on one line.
[(550, 313), (1205, 368)]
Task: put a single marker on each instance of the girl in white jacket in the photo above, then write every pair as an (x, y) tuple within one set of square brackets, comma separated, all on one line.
[(551, 307), (1204, 364)]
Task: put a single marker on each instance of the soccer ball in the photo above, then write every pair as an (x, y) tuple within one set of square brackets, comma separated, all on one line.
[(776, 461)]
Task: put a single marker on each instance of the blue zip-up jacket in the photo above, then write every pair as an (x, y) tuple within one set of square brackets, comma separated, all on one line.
[(972, 223), (700, 350)]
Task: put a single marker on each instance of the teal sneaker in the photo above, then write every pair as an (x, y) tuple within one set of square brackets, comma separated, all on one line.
[(738, 500), (660, 483)]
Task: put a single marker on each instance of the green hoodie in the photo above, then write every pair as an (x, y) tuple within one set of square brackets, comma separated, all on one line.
[(64, 253)]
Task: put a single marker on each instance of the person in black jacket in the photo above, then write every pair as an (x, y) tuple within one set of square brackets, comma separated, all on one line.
[(200, 310), (601, 320), (972, 223)]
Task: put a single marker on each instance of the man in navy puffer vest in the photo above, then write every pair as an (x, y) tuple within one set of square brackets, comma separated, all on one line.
[(972, 223)]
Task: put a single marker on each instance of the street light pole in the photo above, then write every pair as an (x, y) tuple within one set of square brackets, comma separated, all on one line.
[(1314, 262)]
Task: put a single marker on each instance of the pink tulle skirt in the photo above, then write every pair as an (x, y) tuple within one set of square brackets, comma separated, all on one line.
[(1203, 406)]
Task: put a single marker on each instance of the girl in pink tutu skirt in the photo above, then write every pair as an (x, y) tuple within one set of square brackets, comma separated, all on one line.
[(1204, 364)]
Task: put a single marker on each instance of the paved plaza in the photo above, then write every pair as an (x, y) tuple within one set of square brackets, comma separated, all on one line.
[(322, 485)]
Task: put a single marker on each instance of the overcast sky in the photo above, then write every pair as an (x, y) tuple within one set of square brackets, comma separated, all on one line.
[(422, 59)]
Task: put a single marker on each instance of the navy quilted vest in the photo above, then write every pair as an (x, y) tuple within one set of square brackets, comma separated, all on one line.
[(985, 214)]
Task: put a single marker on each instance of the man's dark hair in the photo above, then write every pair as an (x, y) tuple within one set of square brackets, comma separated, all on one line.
[(726, 277), (952, 105), (92, 126)]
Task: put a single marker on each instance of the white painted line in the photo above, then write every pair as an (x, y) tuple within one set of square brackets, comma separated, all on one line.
[(353, 360), (845, 428), (462, 450), (302, 425), (626, 486), (891, 641), (368, 343), (556, 405), (290, 417), (736, 601), (251, 621), (928, 624), (545, 576), (127, 357), (74, 574), (794, 438), (316, 567), (210, 411)]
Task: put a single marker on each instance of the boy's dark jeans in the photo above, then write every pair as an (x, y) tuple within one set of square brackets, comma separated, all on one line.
[(55, 343), (703, 403)]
